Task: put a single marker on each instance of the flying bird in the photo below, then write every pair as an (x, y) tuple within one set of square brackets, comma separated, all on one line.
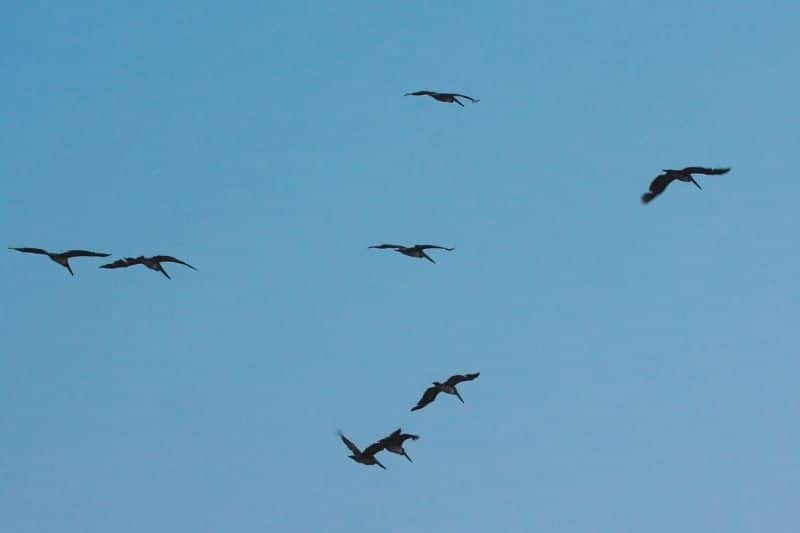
[(449, 98), (367, 457), (448, 387), (418, 250), (394, 442), (153, 263), (660, 183), (63, 257)]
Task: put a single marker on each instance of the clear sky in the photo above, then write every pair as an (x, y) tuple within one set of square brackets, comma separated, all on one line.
[(639, 364)]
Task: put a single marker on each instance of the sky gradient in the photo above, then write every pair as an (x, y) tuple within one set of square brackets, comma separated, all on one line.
[(638, 363)]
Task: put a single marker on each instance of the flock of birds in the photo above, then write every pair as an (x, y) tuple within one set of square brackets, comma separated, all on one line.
[(393, 442)]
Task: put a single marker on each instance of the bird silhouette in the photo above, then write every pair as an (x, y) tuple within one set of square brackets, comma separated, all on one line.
[(367, 457), (153, 263), (418, 250), (662, 181), (394, 442), (448, 387), (63, 257), (449, 98)]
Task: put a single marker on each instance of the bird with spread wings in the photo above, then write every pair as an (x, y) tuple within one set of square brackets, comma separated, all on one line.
[(61, 258), (449, 98), (418, 250), (367, 457), (153, 263), (448, 387), (662, 181)]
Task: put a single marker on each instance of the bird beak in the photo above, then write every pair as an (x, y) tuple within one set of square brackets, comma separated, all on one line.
[(697, 184), (407, 457)]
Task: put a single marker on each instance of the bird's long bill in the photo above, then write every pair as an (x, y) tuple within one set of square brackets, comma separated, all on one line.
[(379, 464), (697, 184), (459, 396), (407, 457)]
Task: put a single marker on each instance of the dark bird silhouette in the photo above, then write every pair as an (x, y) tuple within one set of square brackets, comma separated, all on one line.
[(394, 442), (418, 250), (448, 386), (153, 263), (660, 183), (449, 98), (367, 457), (63, 257)]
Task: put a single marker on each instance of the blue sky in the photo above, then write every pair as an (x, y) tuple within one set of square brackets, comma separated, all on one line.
[(638, 363)]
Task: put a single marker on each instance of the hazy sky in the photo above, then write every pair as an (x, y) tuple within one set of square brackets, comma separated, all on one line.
[(639, 364)]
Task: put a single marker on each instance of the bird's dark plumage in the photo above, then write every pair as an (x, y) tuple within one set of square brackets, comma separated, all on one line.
[(662, 181), (418, 250), (367, 457), (448, 387), (61, 258), (153, 263), (394, 442), (450, 98)]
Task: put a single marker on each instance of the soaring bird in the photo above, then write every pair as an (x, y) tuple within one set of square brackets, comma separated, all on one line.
[(418, 250), (394, 442), (153, 263), (63, 257), (449, 98), (367, 457), (660, 183), (448, 386)]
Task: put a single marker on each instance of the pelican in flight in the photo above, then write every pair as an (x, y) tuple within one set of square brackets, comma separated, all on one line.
[(660, 183), (394, 442), (418, 250), (63, 257), (448, 387), (153, 263), (449, 98), (367, 457)]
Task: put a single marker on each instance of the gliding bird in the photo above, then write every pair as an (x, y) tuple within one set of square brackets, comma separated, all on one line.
[(63, 257), (418, 250), (449, 98), (394, 442), (660, 183), (153, 263), (448, 387)]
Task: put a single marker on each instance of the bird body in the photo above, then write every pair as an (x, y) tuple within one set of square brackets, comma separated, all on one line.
[(367, 457), (153, 263), (448, 387), (662, 181), (418, 250), (61, 258), (449, 98)]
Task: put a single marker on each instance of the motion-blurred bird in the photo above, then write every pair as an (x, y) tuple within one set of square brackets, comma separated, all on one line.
[(394, 442), (153, 263), (418, 250), (449, 98), (448, 387), (660, 183), (367, 457), (63, 257)]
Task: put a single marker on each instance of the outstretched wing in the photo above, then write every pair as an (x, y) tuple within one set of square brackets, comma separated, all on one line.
[(458, 378), (170, 259), (121, 263), (30, 250), (82, 253), (707, 171), (374, 448), (658, 185), (427, 397), (471, 99), (405, 436), (421, 93), (385, 246), (349, 444), (429, 246)]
